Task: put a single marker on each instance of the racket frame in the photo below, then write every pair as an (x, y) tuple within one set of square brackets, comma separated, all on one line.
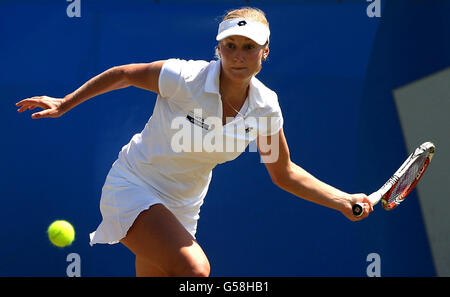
[(385, 191)]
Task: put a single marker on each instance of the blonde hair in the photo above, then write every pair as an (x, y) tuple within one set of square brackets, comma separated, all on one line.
[(251, 13)]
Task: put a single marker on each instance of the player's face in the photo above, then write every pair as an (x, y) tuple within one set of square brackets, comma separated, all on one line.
[(241, 57)]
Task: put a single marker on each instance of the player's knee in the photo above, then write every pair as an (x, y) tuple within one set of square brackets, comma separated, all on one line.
[(193, 269), (202, 270)]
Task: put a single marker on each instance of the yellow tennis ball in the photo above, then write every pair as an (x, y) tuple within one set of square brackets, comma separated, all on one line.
[(61, 233)]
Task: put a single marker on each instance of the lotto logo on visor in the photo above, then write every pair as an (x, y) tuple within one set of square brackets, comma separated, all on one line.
[(256, 31)]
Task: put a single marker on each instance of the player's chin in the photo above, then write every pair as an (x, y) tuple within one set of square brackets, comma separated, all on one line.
[(240, 73)]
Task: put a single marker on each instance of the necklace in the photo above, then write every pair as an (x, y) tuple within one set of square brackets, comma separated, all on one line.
[(226, 101), (229, 104)]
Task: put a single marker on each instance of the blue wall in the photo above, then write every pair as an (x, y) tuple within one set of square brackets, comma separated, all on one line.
[(333, 68)]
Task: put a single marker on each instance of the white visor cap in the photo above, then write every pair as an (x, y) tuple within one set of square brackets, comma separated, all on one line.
[(256, 31)]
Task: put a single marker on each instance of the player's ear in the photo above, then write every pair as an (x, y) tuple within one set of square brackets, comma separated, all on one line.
[(265, 53), (218, 49)]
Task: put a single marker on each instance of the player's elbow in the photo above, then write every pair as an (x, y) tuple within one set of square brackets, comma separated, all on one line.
[(282, 183), (128, 74), (282, 178), (120, 73)]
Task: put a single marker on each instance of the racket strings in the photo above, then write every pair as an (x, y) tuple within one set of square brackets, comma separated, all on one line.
[(407, 180)]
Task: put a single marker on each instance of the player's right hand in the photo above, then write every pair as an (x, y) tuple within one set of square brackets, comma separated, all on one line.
[(352, 200), (52, 107)]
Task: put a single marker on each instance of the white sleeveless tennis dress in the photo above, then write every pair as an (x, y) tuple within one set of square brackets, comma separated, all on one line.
[(171, 160)]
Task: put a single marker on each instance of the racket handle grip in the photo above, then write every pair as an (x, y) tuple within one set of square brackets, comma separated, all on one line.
[(358, 208)]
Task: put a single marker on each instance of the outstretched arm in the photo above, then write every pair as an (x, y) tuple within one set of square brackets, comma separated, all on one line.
[(297, 181), (142, 75)]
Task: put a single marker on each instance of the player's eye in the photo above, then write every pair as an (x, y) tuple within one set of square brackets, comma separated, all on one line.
[(229, 45)]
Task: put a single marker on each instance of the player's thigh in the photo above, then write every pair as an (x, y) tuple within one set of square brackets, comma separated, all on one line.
[(158, 237)]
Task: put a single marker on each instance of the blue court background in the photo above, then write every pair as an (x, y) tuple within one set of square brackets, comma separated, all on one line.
[(333, 68)]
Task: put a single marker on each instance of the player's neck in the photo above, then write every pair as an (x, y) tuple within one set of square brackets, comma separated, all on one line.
[(235, 91)]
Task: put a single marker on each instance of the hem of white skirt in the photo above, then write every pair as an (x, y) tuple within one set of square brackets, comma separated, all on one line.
[(113, 238)]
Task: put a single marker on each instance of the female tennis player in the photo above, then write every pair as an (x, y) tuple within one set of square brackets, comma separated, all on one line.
[(153, 192)]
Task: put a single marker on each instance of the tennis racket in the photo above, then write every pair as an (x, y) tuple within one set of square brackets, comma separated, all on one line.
[(395, 190)]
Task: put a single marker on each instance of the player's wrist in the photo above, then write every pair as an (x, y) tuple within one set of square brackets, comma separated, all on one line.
[(340, 201)]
